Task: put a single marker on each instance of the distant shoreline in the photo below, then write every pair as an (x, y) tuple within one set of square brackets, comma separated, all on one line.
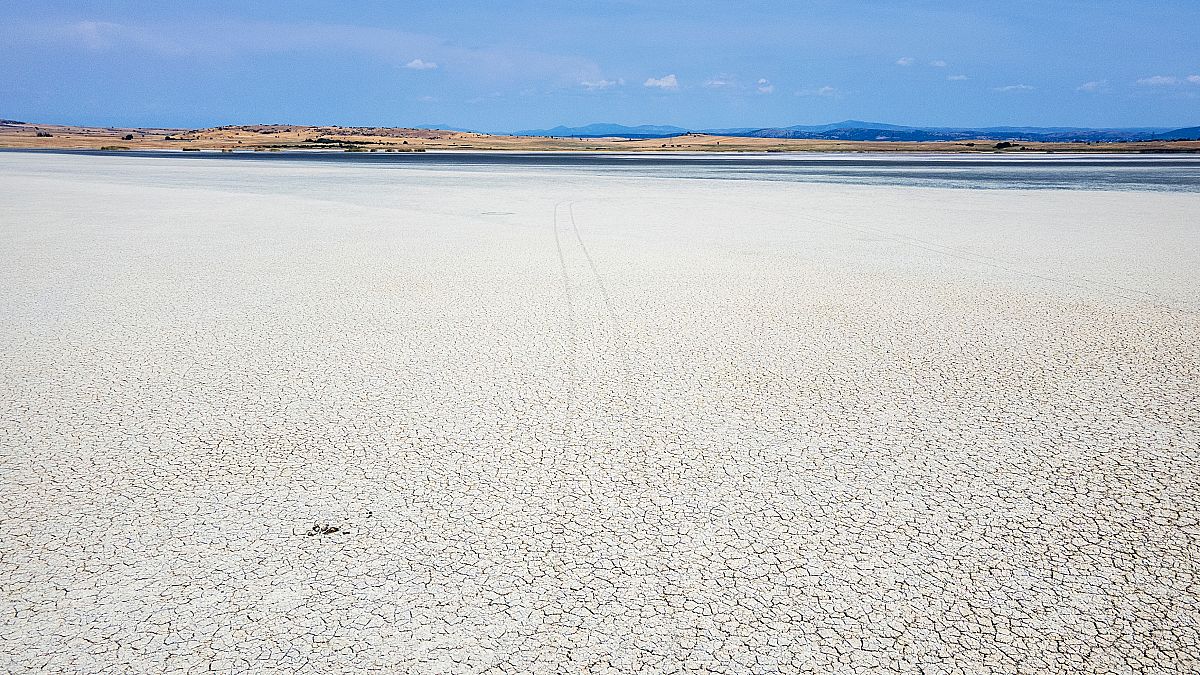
[(1156, 172), (282, 138)]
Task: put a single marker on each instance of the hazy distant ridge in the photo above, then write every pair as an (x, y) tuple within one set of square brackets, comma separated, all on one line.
[(606, 130), (858, 130)]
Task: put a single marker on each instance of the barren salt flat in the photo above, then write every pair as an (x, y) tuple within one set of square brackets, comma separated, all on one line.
[(573, 420)]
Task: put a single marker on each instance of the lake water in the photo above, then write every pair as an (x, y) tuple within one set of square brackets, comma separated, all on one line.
[(1155, 172)]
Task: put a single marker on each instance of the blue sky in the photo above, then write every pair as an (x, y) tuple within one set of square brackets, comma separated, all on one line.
[(523, 64)]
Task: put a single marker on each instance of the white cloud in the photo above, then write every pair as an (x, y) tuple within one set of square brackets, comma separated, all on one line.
[(1168, 80), (594, 85), (665, 82), (93, 36), (1013, 87), (957, 78), (489, 97), (418, 64), (718, 82), (1093, 86), (938, 63), (821, 91), (232, 39), (905, 61), (97, 35), (764, 86)]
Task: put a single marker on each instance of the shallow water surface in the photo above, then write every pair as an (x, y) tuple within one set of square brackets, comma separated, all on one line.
[(1156, 172)]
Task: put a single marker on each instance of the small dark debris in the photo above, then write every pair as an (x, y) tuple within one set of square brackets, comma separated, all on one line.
[(323, 528)]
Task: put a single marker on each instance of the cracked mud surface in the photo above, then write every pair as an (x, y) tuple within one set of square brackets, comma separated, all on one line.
[(582, 423)]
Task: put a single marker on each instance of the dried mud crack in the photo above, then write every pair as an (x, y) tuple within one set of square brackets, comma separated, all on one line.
[(327, 417)]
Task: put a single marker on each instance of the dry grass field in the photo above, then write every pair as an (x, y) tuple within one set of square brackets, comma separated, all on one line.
[(267, 137)]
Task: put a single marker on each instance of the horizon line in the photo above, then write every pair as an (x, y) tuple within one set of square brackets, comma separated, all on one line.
[(693, 129)]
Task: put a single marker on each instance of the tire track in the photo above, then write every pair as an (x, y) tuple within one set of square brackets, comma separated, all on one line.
[(599, 366), (562, 265), (589, 306), (608, 306)]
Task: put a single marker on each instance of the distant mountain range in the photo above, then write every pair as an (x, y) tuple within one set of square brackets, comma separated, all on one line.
[(443, 127), (1189, 133), (608, 130), (858, 130)]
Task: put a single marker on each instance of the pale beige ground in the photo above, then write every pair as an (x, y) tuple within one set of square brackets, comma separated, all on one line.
[(382, 139), (589, 423)]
